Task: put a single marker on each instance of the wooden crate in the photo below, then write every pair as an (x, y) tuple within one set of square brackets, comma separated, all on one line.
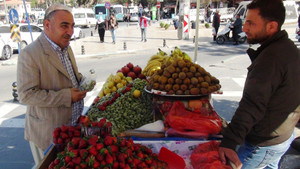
[(49, 157)]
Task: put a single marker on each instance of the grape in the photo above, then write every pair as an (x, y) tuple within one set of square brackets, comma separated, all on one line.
[(126, 112)]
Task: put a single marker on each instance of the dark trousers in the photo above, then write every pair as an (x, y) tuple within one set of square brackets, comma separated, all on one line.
[(101, 33), (215, 36), (236, 37)]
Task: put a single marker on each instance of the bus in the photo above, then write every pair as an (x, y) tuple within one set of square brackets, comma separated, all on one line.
[(101, 11), (119, 12)]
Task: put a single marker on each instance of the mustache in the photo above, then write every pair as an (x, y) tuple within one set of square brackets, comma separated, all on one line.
[(67, 36)]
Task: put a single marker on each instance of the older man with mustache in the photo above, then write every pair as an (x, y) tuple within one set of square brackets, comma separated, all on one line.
[(48, 81)]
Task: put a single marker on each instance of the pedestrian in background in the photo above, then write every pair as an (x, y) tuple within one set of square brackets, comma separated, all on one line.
[(48, 81), (112, 27), (263, 124), (237, 28), (101, 28), (143, 21), (216, 24)]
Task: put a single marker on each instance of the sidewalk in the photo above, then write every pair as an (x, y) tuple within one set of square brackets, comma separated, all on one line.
[(131, 37)]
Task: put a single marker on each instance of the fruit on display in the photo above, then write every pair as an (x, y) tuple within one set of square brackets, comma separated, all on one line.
[(156, 61), (109, 152), (129, 70), (123, 76), (178, 75), (128, 108)]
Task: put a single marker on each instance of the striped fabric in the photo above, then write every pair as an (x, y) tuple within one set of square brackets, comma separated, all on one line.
[(63, 54)]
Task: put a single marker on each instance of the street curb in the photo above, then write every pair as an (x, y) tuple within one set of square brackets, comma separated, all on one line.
[(105, 54)]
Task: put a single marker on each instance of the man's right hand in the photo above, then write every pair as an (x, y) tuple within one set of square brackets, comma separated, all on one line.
[(230, 155), (77, 95)]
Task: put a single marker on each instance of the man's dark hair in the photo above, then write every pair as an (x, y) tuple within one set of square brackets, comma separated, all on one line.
[(270, 10)]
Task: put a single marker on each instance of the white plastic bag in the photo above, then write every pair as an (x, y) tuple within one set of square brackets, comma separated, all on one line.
[(88, 82), (214, 32)]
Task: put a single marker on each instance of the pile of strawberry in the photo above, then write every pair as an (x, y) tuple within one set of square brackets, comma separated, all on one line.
[(107, 153), (64, 134)]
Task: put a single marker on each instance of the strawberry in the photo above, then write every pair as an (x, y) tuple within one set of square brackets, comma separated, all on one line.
[(83, 153), (108, 140), (136, 161), (99, 157), (115, 165), (93, 140), (75, 141), (76, 160), (103, 164), (97, 99), (102, 108), (64, 128), (63, 135), (83, 165), (90, 160), (99, 146), (56, 161), (82, 144), (140, 155), (60, 141), (148, 161), (109, 159), (94, 124), (108, 124), (70, 164), (123, 143), (96, 164), (70, 134), (67, 159), (56, 133), (92, 150), (74, 153), (104, 151), (121, 164), (114, 148), (77, 133), (101, 123), (121, 158)]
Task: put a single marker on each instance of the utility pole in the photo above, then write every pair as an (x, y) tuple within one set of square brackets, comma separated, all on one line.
[(184, 20)]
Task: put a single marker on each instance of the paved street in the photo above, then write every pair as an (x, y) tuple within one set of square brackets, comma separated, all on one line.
[(226, 62)]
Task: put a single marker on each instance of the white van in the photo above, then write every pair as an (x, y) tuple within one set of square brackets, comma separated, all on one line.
[(291, 12), (84, 17)]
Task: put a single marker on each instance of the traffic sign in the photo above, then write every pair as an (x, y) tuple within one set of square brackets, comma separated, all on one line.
[(158, 5), (13, 16), (107, 5), (15, 34)]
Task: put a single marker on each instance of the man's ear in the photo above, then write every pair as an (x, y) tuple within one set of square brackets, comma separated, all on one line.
[(272, 27), (46, 24)]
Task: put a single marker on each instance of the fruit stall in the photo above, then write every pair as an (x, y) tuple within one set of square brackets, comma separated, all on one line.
[(156, 117)]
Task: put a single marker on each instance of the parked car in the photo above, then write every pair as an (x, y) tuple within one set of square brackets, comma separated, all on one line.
[(84, 17), (26, 36), (134, 17), (6, 47), (78, 33)]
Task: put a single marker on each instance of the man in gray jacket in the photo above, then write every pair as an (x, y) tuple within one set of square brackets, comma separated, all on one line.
[(263, 124), (48, 81)]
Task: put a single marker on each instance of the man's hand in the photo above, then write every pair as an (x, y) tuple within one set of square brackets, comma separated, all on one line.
[(77, 95), (231, 156)]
